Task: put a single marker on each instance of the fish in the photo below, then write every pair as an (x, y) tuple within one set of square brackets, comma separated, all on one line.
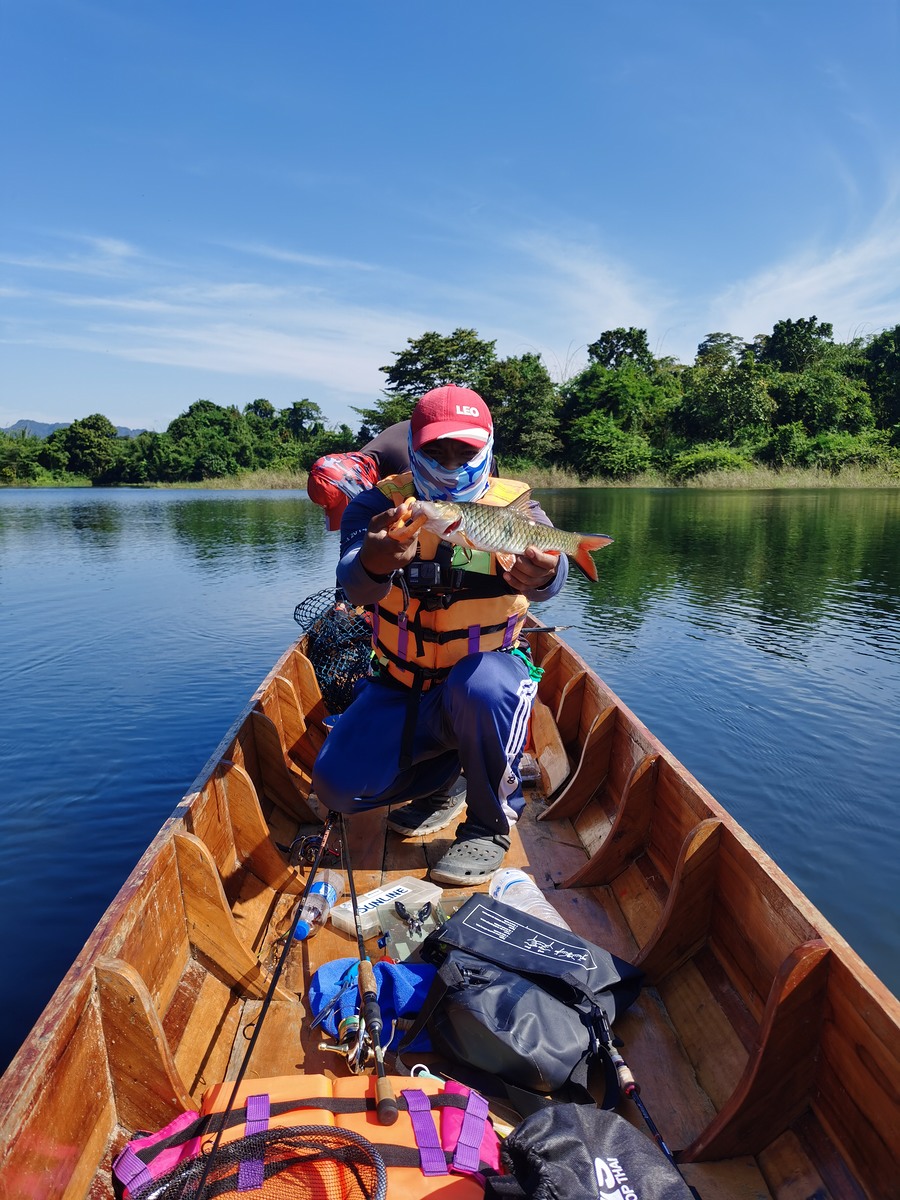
[(502, 530)]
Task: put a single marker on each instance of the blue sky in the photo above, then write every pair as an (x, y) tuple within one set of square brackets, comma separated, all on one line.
[(231, 200)]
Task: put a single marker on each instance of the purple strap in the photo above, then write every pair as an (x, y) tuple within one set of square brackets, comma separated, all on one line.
[(252, 1173), (510, 630), (375, 624), (402, 636), (474, 638), (431, 1156), (258, 1111), (467, 1155), (131, 1172)]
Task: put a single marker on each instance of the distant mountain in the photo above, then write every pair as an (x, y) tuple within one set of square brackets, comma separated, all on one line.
[(36, 428), (42, 429)]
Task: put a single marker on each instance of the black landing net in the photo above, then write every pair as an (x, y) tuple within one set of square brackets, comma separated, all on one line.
[(339, 644)]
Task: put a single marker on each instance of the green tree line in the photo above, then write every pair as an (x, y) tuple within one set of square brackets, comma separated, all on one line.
[(207, 441), (793, 397)]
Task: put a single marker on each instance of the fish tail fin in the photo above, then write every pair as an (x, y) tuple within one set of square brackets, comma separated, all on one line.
[(582, 557)]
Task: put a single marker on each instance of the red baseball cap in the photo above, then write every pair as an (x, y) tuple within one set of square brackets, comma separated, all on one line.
[(334, 479), (451, 412)]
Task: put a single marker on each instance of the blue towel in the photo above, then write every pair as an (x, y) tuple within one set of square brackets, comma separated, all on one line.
[(402, 988)]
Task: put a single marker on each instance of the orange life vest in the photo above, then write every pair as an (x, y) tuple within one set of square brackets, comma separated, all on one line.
[(441, 1144), (418, 639)]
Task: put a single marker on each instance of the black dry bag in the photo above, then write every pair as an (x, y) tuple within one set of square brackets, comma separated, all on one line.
[(518, 998)]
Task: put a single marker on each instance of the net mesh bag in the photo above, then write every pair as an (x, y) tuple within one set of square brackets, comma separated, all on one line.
[(304, 1162), (339, 644)]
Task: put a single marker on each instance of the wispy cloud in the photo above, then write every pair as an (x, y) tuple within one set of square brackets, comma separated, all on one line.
[(298, 258), (253, 329), (565, 291), (96, 256), (855, 286)]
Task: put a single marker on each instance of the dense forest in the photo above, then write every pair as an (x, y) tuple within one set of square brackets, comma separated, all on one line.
[(793, 397)]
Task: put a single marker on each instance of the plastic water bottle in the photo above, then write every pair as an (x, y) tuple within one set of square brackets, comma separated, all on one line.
[(327, 889), (511, 886)]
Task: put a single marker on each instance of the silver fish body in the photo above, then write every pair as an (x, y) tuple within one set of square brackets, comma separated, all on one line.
[(506, 530)]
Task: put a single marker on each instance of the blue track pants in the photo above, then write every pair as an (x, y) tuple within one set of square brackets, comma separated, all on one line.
[(477, 719)]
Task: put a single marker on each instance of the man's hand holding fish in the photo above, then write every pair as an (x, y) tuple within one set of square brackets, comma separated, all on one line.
[(532, 570), (381, 552)]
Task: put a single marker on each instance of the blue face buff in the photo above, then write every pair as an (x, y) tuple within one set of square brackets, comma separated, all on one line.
[(468, 483)]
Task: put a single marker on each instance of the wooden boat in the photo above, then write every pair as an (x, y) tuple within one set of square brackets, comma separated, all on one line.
[(767, 1051)]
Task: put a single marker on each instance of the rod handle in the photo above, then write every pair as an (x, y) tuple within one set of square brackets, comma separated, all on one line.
[(627, 1082), (385, 1101), (367, 984)]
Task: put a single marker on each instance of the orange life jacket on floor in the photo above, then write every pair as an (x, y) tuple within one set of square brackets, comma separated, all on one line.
[(442, 1143), (419, 638)]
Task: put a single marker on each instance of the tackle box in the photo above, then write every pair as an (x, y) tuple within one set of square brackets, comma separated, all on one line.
[(411, 891)]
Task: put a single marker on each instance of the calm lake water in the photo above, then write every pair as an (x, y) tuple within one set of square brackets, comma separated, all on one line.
[(756, 633)]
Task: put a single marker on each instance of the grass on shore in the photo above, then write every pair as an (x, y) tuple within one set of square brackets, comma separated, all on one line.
[(250, 481), (758, 478)]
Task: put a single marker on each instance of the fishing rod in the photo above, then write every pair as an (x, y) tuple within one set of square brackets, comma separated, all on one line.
[(371, 1023), (270, 992), (631, 1088)]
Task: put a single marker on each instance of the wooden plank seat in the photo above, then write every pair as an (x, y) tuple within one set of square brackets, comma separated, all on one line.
[(281, 734), (300, 673), (630, 830), (749, 1027), (208, 901), (777, 1085), (157, 1029), (585, 724)]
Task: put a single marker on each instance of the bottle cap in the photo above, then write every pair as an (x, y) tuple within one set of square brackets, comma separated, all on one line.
[(301, 933)]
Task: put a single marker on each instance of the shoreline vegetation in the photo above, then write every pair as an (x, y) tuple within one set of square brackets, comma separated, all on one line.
[(790, 409), (550, 478)]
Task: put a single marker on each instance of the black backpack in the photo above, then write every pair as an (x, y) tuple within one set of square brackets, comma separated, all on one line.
[(574, 1152), (519, 999)]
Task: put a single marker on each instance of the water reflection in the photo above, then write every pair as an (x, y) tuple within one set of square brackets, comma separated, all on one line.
[(211, 529), (786, 562)]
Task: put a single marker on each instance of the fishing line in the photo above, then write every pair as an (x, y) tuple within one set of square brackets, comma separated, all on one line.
[(371, 1021), (270, 992), (631, 1088)]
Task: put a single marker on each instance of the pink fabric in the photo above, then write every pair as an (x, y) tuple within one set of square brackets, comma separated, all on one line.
[(451, 1123), (166, 1160)]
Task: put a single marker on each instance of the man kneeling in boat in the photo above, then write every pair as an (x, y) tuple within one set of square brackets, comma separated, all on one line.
[(451, 685)]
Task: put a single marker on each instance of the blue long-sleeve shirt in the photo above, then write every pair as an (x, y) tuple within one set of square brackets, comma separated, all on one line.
[(359, 585)]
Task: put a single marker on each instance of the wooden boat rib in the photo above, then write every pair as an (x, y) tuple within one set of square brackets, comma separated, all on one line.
[(767, 1051)]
